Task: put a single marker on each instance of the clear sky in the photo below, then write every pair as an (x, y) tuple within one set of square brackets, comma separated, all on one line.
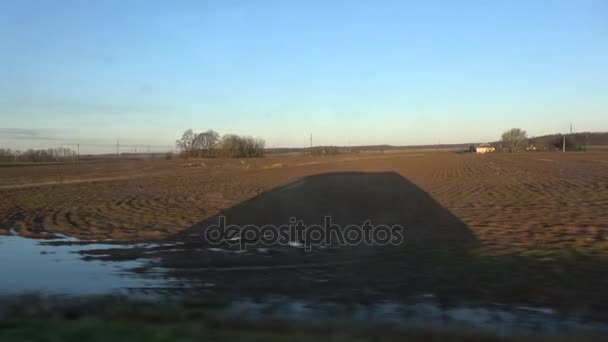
[(349, 72)]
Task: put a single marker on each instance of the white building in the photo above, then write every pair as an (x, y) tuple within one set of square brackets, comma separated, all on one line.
[(484, 148)]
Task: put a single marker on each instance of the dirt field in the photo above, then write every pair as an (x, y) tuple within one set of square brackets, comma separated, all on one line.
[(508, 201), (524, 229)]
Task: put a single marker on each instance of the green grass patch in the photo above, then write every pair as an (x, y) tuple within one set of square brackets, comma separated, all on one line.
[(94, 330)]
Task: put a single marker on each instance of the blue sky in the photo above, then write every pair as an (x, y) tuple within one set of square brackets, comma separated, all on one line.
[(350, 72)]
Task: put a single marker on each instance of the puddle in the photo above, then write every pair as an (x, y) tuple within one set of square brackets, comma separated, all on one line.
[(30, 265), (295, 244), (498, 319), (48, 267)]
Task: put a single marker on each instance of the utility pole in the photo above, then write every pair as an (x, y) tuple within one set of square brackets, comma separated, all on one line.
[(564, 140), (78, 150), (310, 142), (117, 148)]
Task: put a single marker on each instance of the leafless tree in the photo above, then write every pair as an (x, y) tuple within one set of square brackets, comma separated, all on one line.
[(514, 140), (37, 156), (206, 142), (186, 145), (236, 146)]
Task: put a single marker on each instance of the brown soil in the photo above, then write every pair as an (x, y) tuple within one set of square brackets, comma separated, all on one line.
[(507, 201), (517, 228)]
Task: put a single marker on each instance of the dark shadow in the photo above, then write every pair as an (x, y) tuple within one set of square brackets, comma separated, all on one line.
[(432, 239), (438, 255), (384, 198)]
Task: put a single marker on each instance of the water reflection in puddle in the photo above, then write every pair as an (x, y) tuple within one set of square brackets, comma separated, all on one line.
[(29, 265)]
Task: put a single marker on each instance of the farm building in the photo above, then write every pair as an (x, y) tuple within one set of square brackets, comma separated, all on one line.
[(484, 148)]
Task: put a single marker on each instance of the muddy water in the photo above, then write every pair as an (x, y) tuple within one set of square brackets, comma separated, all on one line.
[(30, 265)]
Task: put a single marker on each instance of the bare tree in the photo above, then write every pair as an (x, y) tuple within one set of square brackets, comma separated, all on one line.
[(514, 140), (186, 145), (206, 142), (38, 156), (236, 146)]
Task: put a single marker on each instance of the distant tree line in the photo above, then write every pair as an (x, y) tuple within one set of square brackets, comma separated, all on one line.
[(574, 142), (37, 156), (209, 144), (326, 150), (516, 139)]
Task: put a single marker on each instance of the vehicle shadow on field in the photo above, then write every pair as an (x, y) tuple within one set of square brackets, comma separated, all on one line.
[(438, 255), (349, 198), (432, 239)]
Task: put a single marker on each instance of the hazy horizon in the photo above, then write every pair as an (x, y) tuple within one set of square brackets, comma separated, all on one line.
[(349, 72)]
